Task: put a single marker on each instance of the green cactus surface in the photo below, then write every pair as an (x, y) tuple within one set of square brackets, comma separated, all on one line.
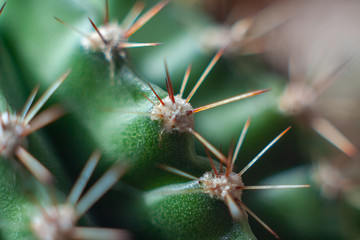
[(82, 78)]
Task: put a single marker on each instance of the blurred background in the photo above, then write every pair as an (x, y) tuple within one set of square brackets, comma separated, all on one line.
[(306, 52)]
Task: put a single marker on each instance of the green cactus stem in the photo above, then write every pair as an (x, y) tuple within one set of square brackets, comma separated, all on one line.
[(227, 186)]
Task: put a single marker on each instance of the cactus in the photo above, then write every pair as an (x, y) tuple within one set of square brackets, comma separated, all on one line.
[(111, 102)]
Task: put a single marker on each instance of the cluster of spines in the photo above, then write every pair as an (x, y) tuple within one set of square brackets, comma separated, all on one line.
[(114, 174), (14, 128), (111, 38), (226, 185), (176, 115), (58, 221), (298, 97)]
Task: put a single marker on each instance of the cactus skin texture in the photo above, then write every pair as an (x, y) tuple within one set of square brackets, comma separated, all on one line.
[(106, 116), (106, 103), (125, 132)]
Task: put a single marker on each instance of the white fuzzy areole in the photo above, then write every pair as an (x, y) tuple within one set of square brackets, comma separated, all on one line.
[(54, 223), (174, 116), (112, 33), (11, 133), (221, 185)]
